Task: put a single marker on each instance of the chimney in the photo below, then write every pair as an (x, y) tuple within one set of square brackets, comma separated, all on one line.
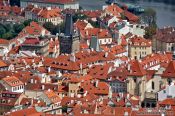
[(96, 83), (81, 68), (49, 69), (31, 80), (72, 57), (31, 101), (106, 54)]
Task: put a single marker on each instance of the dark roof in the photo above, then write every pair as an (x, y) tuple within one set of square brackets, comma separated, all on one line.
[(68, 25), (95, 44)]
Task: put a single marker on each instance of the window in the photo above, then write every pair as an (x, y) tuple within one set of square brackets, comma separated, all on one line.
[(169, 80), (164, 91), (135, 80)]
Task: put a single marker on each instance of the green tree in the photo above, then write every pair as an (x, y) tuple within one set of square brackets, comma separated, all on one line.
[(79, 16), (27, 22), (18, 27), (8, 27), (49, 26), (2, 31), (149, 17), (8, 35), (150, 31), (94, 24), (56, 29)]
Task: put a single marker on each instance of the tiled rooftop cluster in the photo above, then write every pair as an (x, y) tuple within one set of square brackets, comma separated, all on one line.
[(116, 72)]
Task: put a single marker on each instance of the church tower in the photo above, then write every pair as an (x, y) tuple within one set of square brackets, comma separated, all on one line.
[(70, 39)]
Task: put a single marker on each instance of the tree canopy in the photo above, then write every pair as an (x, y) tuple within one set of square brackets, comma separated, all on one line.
[(149, 17)]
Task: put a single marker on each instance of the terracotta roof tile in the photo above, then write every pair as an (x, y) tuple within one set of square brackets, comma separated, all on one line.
[(136, 69), (13, 81)]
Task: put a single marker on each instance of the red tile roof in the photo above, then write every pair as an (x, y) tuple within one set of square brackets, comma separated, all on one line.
[(52, 13), (81, 24), (2, 64), (139, 41), (136, 69), (32, 41), (118, 49), (13, 81), (92, 14), (28, 111), (34, 29), (130, 16), (170, 70), (101, 33), (52, 96), (168, 101), (100, 71), (4, 41), (114, 10)]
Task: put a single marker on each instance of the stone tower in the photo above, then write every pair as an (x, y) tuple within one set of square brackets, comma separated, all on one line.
[(70, 39)]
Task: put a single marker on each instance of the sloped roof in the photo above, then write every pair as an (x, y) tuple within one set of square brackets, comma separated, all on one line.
[(136, 69), (170, 70)]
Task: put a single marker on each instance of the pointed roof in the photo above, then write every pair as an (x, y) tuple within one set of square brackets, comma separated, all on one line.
[(136, 69), (170, 70), (94, 43), (68, 25)]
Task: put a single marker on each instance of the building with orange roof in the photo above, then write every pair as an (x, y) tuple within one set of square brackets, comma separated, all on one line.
[(3, 65), (52, 100), (119, 51), (164, 39), (168, 75), (13, 84), (63, 4), (136, 79), (43, 15), (139, 47), (113, 10), (82, 24), (103, 35), (39, 46), (28, 111)]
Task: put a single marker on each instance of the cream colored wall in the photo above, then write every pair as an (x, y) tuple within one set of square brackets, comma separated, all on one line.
[(137, 51), (73, 88), (131, 85)]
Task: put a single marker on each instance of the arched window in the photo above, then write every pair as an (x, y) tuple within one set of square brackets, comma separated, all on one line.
[(153, 85)]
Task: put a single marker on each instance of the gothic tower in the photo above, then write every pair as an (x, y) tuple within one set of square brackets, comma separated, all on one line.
[(70, 39)]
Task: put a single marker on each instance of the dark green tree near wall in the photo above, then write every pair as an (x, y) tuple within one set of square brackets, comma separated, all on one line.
[(149, 17)]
